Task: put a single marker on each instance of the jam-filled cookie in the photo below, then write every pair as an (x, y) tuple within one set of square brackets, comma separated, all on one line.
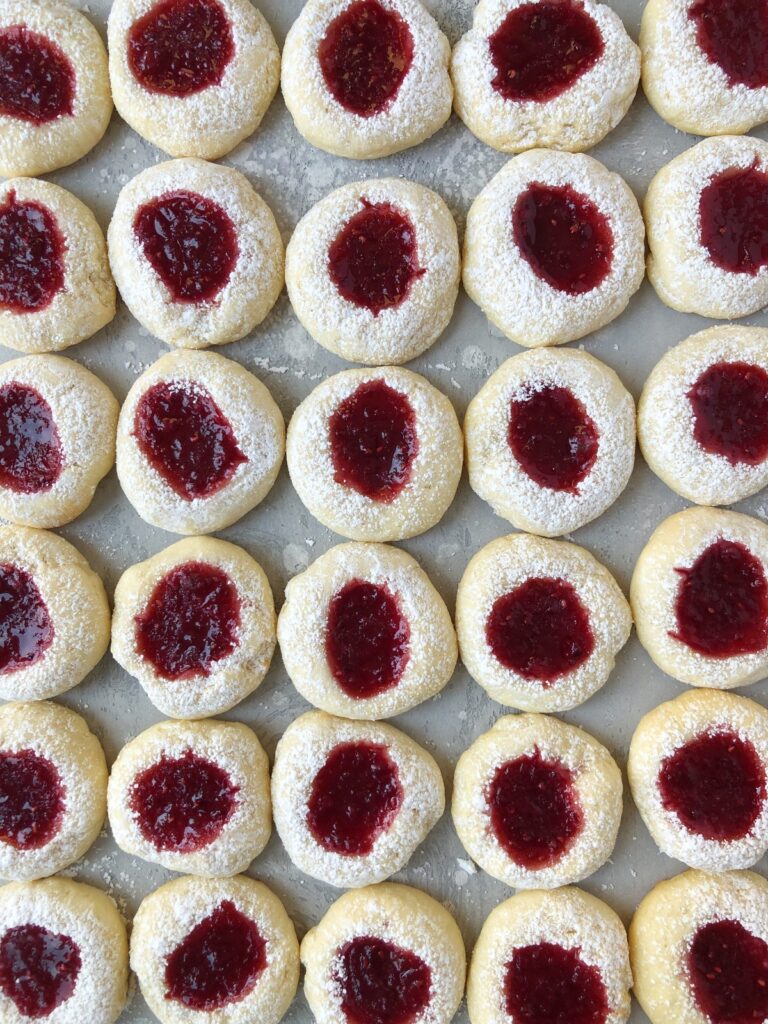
[(196, 253), (200, 442), (697, 768), (559, 74), (194, 77), (193, 797), (55, 101), (540, 622), (551, 440), (388, 949), (221, 950), (537, 803), (352, 800), (373, 270), (54, 615), (546, 957), (376, 455), (195, 624), (700, 598), (554, 248), (364, 634), (707, 218)]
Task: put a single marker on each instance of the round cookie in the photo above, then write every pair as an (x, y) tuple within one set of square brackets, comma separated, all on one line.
[(195, 624), (373, 270), (352, 800), (194, 77), (551, 440), (540, 622), (559, 74), (196, 253), (376, 455), (554, 248), (410, 936), (54, 623), (537, 803), (200, 442), (697, 768), (364, 634), (699, 595), (541, 956), (219, 947), (55, 101), (366, 78)]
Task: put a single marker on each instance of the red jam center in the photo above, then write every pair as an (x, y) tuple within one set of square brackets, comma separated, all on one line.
[(31, 256), (381, 983), (374, 441), (180, 47), (38, 969), (535, 812), (187, 438), (37, 80), (715, 784), (374, 259), (728, 968), (734, 35), (729, 402), (191, 621), (733, 211), (30, 448), (355, 797), (182, 804), (191, 243), (31, 800), (722, 602), (218, 963), (26, 629), (365, 55), (547, 984), (367, 639)]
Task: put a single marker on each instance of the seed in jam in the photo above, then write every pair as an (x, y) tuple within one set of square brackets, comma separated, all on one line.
[(37, 80), (365, 55), (733, 213), (30, 448), (729, 402), (355, 797), (31, 255), (26, 629), (548, 984), (31, 799), (734, 35), (381, 983), (38, 969), (728, 969)]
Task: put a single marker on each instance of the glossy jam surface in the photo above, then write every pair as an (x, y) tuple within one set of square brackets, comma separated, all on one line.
[(365, 55), (355, 797), (30, 448), (26, 628), (31, 256), (180, 47), (187, 438), (191, 243), (38, 969), (722, 602), (729, 402), (548, 984), (37, 80), (381, 983), (218, 963), (31, 799), (728, 969), (535, 811), (734, 35), (374, 441), (733, 212)]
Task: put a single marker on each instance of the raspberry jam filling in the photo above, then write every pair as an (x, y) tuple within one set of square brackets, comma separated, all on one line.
[(37, 80), (374, 441), (729, 402), (715, 784), (187, 439), (734, 35), (180, 47), (722, 602), (367, 639), (38, 969), (381, 983), (218, 963), (733, 212), (31, 256), (31, 799), (548, 984), (30, 448), (728, 969), (26, 628), (365, 55), (535, 811), (374, 261), (355, 797), (190, 242), (183, 803), (191, 621)]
